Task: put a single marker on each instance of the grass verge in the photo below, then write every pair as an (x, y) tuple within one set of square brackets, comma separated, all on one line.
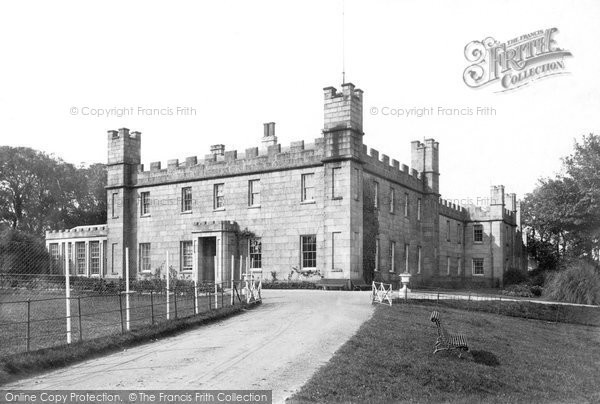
[(23, 364), (512, 359), (558, 313)]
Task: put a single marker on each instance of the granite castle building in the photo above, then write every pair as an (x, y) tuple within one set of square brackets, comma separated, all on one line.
[(331, 209)]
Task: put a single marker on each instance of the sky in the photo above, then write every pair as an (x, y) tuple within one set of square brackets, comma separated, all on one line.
[(223, 68)]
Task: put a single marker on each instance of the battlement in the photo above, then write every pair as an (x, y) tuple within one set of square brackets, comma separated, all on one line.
[(343, 110), (232, 162), (78, 232), (391, 169), (425, 159), (124, 147), (451, 209)]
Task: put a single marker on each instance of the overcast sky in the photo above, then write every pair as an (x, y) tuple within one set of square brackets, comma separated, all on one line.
[(242, 63)]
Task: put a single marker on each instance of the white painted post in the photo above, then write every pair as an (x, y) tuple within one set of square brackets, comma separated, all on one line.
[(68, 294), (127, 287), (241, 272), (195, 288), (168, 284), (216, 286), (232, 272)]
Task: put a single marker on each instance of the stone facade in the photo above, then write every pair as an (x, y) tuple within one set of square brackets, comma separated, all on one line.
[(85, 248), (333, 209)]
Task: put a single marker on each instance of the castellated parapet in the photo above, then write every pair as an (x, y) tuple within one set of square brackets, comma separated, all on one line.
[(325, 207)]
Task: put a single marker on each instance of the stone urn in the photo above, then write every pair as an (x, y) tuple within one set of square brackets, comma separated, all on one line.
[(405, 279)]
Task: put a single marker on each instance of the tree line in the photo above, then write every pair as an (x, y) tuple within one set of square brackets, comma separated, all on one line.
[(562, 214), (40, 192)]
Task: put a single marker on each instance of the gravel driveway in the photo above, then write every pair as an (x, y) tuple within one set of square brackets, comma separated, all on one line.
[(276, 346)]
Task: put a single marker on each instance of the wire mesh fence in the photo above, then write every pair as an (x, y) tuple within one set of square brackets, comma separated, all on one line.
[(508, 306), (42, 307), (35, 312)]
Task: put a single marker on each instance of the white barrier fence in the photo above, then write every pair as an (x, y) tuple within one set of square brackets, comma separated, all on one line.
[(381, 293)]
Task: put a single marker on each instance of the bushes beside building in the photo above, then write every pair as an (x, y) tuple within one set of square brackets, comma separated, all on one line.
[(21, 253), (579, 282)]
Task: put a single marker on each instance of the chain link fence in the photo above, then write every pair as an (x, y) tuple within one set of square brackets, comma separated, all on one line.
[(38, 311)]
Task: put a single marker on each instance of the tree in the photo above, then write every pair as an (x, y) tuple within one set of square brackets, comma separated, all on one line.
[(21, 253), (29, 188), (563, 213), (39, 192)]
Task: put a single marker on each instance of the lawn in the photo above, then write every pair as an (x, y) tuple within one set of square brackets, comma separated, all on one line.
[(100, 316), (512, 360)]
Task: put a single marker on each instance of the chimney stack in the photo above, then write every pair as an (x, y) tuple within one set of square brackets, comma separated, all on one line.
[(217, 149), (269, 138)]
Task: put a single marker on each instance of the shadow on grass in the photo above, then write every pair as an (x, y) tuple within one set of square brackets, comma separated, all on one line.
[(485, 358)]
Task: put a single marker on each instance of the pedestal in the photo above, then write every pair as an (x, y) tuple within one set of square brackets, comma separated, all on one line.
[(405, 279)]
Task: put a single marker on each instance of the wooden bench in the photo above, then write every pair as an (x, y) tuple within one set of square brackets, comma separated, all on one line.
[(362, 285), (341, 284), (446, 341)]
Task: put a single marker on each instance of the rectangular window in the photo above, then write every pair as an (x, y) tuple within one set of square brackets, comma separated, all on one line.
[(70, 258), (477, 266), (309, 251), (80, 257), (254, 193), (376, 254), (308, 187), (447, 230), (376, 195), (255, 251), (144, 264), (94, 247), (144, 203), (187, 255), (113, 205), (392, 256), (356, 184), (406, 258), (104, 257), (336, 186), (478, 233), (459, 234), (357, 249), (506, 234), (113, 258), (447, 265), (392, 200), (55, 253), (459, 266), (419, 209), (406, 204), (419, 259), (336, 251), (186, 199), (219, 196)]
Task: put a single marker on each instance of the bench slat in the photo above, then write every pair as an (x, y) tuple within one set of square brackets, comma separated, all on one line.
[(446, 340)]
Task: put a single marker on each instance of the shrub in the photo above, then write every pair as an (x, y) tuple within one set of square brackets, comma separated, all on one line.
[(537, 277), (578, 283), (536, 290), (514, 277), (289, 285), (22, 253), (521, 290)]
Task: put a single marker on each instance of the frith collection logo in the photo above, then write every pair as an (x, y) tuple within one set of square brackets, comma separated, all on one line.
[(515, 63)]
